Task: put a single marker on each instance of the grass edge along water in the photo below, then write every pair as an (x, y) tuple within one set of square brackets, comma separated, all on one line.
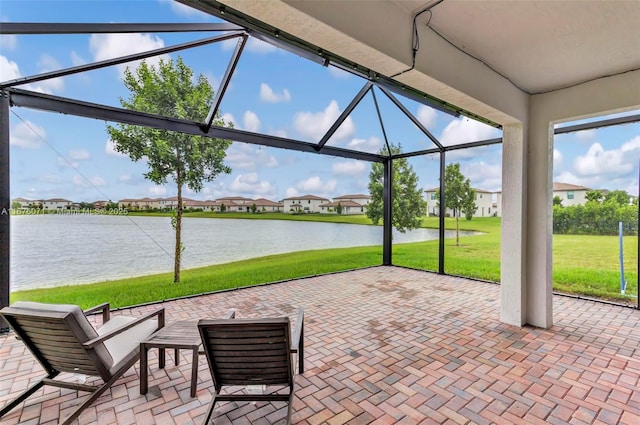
[(583, 265)]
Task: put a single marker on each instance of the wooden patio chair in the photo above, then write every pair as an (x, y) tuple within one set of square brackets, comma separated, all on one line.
[(61, 338), (253, 352)]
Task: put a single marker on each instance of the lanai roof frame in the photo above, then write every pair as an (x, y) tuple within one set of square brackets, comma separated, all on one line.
[(12, 96)]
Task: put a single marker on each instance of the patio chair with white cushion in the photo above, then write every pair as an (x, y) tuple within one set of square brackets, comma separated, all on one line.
[(62, 339)]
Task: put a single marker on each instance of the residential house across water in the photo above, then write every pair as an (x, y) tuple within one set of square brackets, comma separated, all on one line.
[(347, 204), (304, 204), (484, 201), (570, 194), (57, 204)]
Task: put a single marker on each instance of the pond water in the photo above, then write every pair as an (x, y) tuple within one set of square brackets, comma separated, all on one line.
[(51, 250)]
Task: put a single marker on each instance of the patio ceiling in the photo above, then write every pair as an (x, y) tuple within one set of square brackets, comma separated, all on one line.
[(540, 45)]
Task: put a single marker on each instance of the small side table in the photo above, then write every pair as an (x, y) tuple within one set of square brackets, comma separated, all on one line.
[(178, 335)]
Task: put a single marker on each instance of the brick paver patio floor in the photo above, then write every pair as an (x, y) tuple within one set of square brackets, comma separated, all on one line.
[(384, 345)]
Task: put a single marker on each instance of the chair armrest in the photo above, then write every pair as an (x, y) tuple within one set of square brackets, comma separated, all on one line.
[(297, 345), (116, 331), (104, 307)]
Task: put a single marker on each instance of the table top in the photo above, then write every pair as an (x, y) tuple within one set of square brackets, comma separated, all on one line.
[(180, 334)]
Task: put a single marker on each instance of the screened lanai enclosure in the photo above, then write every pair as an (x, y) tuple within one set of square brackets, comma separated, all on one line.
[(374, 87), (525, 266)]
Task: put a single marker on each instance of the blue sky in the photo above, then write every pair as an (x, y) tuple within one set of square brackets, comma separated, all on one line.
[(272, 91)]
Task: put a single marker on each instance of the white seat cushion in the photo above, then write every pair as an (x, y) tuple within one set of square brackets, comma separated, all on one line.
[(121, 346)]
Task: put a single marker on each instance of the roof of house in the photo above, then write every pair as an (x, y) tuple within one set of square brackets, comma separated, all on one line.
[(262, 202), (234, 198), (57, 200), (195, 203), (359, 196), (228, 202), (307, 197), (174, 198), (568, 186), (334, 204)]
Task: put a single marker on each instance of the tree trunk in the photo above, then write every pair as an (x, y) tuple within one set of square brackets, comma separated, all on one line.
[(457, 228), (178, 252)]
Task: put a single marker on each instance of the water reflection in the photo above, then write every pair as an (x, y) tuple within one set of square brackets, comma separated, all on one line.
[(49, 250)]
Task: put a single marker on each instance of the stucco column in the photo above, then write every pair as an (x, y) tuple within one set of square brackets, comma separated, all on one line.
[(526, 257), (540, 221), (513, 293)]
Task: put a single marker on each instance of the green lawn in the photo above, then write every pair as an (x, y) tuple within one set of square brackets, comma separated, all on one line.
[(273, 268), (583, 265)]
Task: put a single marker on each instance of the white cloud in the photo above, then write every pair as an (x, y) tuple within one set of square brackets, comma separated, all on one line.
[(253, 45), (251, 184), (484, 175), (245, 156), (64, 162), (569, 177), (125, 178), (229, 119), (202, 195), (8, 42), (108, 46), (557, 158), (48, 63), (349, 168), (631, 145), (586, 135), (183, 9), (371, 145), (50, 178), (464, 130), (314, 125), (291, 192), (214, 81), (598, 161), (157, 191), (98, 181), (427, 116), (8, 69), (27, 135), (76, 59), (315, 185), (268, 95), (91, 182), (251, 122), (79, 154), (110, 149), (280, 133)]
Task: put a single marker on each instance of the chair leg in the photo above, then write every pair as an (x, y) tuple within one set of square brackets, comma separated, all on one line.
[(210, 411), (97, 393), (289, 408), (22, 397)]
